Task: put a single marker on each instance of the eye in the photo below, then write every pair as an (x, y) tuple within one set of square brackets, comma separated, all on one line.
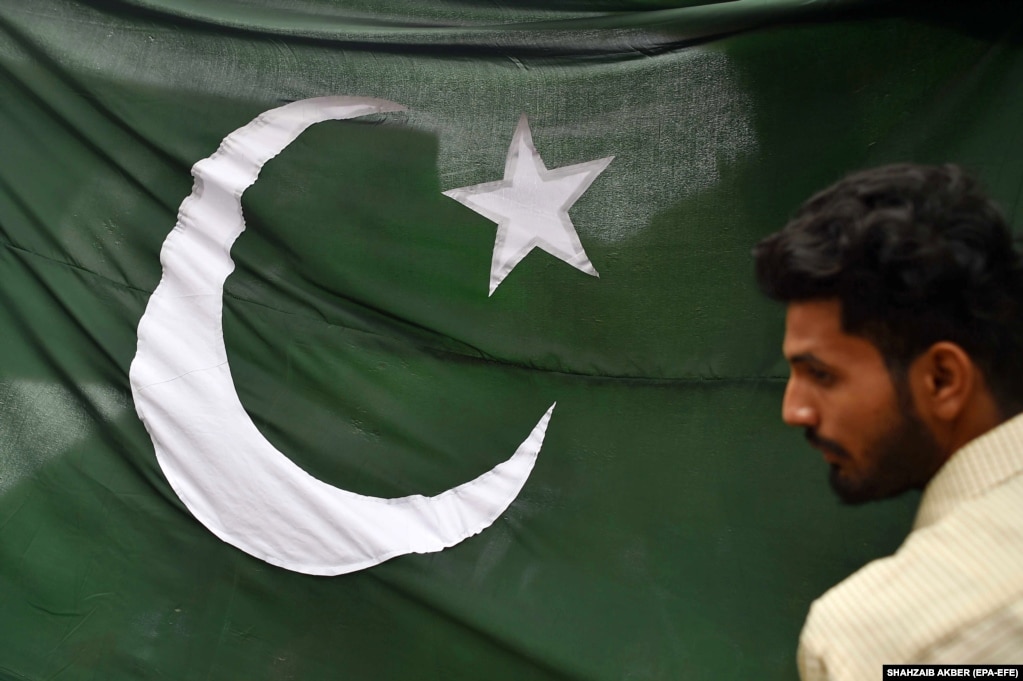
[(820, 376)]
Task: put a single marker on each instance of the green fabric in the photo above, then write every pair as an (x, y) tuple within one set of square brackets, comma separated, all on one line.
[(673, 528)]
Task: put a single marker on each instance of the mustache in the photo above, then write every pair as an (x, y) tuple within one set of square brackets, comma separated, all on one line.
[(824, 443)]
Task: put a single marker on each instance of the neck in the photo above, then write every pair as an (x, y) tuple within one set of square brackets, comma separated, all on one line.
[(980, 415)]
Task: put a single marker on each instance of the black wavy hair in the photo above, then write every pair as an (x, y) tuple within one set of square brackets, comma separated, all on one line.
[(916, 255)]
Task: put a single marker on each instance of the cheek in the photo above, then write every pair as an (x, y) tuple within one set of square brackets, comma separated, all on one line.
[(871, 400), (859, 418), (876, 427)]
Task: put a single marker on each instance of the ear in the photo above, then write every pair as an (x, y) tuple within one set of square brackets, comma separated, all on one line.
[(944, 381)]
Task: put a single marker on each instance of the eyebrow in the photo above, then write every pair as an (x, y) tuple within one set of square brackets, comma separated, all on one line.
[(805, 358)]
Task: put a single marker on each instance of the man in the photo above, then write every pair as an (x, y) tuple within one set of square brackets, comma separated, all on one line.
[(904, 336)]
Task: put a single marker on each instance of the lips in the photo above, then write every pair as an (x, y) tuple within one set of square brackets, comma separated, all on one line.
[(833, 452)]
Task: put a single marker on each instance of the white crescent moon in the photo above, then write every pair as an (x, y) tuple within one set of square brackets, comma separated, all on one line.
[(228, 475)]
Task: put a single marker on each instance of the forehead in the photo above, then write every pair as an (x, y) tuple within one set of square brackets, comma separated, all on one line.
[(814, 327)]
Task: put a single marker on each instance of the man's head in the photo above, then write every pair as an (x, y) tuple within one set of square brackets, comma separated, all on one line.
[(904, 330)]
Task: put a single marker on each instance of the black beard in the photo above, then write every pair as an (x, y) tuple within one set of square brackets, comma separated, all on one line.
[(905, 457)]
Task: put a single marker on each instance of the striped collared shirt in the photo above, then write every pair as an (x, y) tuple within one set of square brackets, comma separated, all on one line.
[(952, 593)]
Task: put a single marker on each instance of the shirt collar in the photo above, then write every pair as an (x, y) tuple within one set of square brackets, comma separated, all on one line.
[(981, 464)]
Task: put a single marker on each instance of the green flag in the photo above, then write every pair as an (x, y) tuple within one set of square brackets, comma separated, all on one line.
[(556, 205)]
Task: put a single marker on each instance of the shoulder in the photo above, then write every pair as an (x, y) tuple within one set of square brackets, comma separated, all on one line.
[(946, 578)]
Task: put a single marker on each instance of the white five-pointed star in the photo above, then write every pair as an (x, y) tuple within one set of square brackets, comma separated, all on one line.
[(530, 206)]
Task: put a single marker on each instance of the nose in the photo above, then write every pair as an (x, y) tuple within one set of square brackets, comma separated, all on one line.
[(796, 407)]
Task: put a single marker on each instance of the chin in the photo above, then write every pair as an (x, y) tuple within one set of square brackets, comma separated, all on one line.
[(856, 492)]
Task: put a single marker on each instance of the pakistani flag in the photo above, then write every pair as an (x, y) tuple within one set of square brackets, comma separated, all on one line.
[(418, 340)]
